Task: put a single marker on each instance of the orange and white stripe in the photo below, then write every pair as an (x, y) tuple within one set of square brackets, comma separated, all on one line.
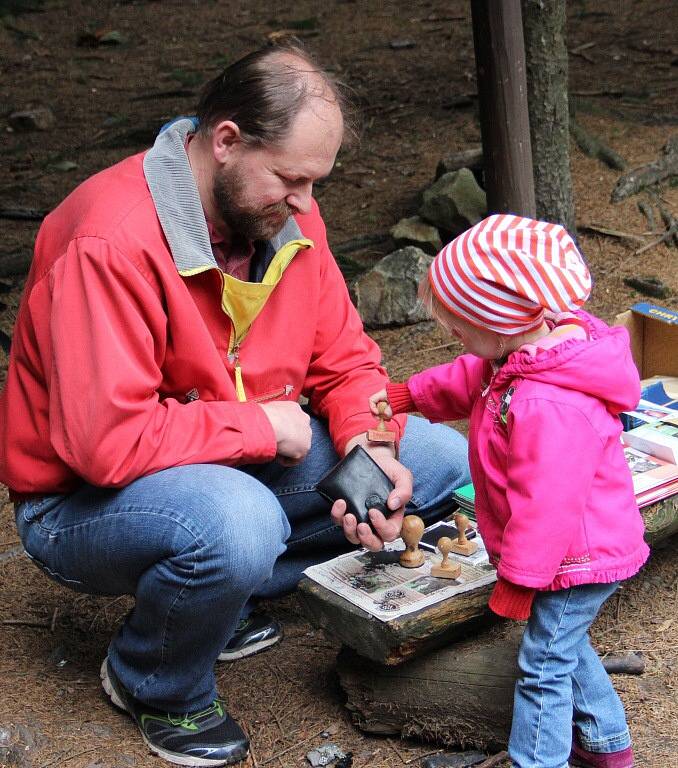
[(506, 270)]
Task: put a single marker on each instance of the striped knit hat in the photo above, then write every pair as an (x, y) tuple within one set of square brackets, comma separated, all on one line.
[(506, 270)]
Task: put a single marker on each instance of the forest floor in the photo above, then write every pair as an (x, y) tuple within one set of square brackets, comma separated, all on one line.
[(418, 103)]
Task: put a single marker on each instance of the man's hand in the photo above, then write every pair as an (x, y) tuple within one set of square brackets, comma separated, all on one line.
[(387, 529), (292, 428)]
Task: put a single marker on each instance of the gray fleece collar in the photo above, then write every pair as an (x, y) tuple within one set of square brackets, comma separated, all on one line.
[(177, 202)]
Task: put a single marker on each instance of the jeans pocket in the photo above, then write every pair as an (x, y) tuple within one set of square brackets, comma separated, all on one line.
[(34, 510)]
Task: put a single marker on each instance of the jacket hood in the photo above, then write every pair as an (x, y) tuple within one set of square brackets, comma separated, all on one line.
[(601, 366)]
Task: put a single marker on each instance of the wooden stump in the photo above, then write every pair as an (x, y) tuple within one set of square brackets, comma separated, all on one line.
[(392, 642), (461, 695)]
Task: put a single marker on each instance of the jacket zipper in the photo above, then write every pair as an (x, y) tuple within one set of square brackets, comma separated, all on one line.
[(285, 391), (234, 357)]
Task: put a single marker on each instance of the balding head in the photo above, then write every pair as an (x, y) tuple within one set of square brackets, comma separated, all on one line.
[(264, 91)]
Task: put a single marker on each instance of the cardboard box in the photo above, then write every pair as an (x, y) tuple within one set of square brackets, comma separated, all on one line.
[(654, 338)]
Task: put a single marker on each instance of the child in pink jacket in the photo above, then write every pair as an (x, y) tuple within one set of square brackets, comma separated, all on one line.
[(543, 385)]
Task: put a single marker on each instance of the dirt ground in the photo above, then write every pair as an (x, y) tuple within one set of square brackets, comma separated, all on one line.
[(109, 99)]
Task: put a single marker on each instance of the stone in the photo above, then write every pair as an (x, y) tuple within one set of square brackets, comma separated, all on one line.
[(454, 760), (454, 202), (324, 755), (417, 232), (33, 119), (386, 295)]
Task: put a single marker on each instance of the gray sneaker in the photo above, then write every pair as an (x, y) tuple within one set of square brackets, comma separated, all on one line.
[(252, 635)]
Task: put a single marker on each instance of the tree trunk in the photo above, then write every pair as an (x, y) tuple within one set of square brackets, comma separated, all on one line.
[(502, 99), (546, 59)]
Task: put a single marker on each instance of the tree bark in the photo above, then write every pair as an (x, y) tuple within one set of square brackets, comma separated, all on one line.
[(502, 99), (460, 695), (546, 60)]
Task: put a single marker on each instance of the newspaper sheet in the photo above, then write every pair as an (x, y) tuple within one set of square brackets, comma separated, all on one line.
[(377, 583)]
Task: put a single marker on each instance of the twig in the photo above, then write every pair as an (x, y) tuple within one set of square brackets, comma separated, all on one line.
[(396, 750), (665, 238), (246, 728), (434, 349), (494, 760), (421, 757), (69, 757), (23, 214), (26, 623), (582, 47), (579, 51), (609, 232), (289, 749), (54, 618)]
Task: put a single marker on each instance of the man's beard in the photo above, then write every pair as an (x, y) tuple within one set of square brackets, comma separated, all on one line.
[(250, 223)]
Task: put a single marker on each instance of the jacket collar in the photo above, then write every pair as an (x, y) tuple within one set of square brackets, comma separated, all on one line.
[(177, 203)]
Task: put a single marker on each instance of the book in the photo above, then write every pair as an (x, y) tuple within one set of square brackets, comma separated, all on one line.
[(465, 498), (659, 438), (649, 473), (647, 412)]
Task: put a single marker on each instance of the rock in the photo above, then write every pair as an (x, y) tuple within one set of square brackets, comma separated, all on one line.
[(387, 294), (397, 45), (457, 760), (454, 202), (417, 232), (17, 744), (324, 755), (630, 663), (35, 119), (455, 161)]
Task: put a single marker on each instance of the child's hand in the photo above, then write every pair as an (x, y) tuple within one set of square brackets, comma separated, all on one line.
[(380, 397)]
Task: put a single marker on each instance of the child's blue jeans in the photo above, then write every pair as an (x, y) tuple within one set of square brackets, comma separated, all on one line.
[(194, 543), (564, 682)]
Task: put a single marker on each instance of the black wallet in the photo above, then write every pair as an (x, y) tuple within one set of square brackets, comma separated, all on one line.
[(360, 481)]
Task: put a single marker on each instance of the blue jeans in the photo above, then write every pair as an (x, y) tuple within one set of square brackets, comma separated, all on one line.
[(564, 682), (194, 543)]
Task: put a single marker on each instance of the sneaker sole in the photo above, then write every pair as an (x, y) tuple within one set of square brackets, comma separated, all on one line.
[(248, 650), (171, 757)]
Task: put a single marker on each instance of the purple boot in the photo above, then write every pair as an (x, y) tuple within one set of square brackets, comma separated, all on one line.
[(581, 758)]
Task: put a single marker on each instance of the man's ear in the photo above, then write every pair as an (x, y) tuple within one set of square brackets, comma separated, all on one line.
[(225, 138)]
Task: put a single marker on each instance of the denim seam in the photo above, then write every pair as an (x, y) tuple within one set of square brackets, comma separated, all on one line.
[(541, 672), (180, 595), (135, 510)]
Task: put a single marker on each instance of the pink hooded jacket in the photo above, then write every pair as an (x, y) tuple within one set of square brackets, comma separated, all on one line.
[(554, 497)]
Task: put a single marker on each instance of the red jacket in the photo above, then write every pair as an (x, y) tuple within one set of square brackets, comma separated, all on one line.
[(119, 365)]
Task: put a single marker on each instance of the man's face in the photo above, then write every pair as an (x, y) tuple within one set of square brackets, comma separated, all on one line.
[(260, 187)]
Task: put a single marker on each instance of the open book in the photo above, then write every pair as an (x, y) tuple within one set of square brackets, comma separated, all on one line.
[(651, 444), (653, 478)]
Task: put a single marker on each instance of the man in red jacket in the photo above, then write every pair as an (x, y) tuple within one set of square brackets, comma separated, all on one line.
[(178, 306)]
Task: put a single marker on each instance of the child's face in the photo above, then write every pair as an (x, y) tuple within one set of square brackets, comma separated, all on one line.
[(478, 341)]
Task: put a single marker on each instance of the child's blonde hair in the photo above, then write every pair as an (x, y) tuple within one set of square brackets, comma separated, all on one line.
[(434, 308)]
